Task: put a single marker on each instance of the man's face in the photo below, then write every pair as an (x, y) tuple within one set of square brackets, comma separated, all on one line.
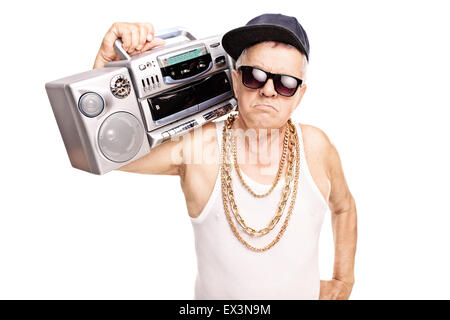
[(264, 107)]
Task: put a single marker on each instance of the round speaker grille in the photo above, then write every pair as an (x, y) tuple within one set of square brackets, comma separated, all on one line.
[(91, 104), (120, 86), (120, 137)]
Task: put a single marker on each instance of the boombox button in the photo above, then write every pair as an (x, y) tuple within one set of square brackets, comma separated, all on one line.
[(215, 45), (220, 60), (165, 134), (142, 67), (172, 132)]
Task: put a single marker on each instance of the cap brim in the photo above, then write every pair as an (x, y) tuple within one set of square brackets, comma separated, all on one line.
[(236, 40)]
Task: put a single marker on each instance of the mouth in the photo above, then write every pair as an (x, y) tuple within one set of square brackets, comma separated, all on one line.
[(265, 106)]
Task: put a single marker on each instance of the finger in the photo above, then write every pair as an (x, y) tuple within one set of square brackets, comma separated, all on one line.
[(134, 52), (150, 31), (322, 290), (155, 43), (146, 47), (142, 37), (134, 38), (110, 37), (107, 47), (125, 34), (324, 297)]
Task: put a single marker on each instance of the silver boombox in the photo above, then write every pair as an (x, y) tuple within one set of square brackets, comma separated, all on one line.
[(111, 116)]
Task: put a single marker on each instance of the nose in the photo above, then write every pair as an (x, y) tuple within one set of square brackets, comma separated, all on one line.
[(268, 89)]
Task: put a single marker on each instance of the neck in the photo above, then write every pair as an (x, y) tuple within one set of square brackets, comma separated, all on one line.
[(263, 146)]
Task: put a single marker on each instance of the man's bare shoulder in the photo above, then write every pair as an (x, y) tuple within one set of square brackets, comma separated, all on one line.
[(205, 135), (200, 146), (210, 130), (318, 143), (315, 138)]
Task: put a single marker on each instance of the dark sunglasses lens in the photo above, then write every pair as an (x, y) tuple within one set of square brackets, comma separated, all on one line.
[(253, 78), (286, 85)]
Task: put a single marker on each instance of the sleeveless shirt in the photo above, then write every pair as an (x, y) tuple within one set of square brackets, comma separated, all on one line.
[(226, 269)]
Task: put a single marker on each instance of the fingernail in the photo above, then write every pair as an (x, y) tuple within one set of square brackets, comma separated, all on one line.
[(139, 47), (149, 37)]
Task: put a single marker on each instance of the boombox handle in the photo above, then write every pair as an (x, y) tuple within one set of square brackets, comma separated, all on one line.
[(163, 34)]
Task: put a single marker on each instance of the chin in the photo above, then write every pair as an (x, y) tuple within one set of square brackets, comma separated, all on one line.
[(263, 121)]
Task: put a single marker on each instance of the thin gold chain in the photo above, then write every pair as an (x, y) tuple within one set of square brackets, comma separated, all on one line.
[(280, 168), (285, 195), (226, 187)]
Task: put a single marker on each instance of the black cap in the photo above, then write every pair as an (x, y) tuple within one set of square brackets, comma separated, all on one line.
[(266, 27)]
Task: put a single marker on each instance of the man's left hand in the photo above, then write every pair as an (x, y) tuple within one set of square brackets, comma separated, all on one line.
[(335, 290)]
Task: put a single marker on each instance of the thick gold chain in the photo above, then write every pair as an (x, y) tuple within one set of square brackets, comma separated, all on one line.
[(227, 191), (280, 168), (284, 198)]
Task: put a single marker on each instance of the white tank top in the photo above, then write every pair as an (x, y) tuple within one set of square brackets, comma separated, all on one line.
[(289, 270)]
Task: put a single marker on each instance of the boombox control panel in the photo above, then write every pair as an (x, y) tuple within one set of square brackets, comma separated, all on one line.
[(178, 129)]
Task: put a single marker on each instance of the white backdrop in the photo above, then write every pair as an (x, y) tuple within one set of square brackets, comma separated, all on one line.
[(378, 85)]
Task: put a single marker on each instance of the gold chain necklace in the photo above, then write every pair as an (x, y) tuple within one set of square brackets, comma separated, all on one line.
[(283, 201), (227, 187), (280, 168)]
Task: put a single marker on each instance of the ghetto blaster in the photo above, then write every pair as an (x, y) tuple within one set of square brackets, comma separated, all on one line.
[(111, 116)]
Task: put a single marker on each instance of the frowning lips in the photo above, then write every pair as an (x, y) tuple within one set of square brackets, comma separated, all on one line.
[(265, 106)]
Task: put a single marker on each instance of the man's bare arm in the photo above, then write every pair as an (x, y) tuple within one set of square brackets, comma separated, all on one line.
[(163, 159), (344, 222), (343, 215), (342, 207), (172, 157)]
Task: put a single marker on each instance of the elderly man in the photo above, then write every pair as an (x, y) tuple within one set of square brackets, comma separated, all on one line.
[(256, 230)]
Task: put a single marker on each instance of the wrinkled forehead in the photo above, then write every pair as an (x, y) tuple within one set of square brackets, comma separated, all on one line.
[(275, 57)]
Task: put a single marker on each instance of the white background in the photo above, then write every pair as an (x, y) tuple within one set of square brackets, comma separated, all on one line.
[(378, 86)]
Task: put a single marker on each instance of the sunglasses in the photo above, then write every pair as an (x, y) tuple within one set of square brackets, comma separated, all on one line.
[(255, 78)]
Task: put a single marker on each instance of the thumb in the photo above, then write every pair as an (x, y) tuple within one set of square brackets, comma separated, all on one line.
[(156, 42)]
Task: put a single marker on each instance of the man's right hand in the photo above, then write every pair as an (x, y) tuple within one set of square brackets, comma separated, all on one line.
[(136, 38)]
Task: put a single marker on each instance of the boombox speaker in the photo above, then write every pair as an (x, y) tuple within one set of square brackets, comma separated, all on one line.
[(99, 119)]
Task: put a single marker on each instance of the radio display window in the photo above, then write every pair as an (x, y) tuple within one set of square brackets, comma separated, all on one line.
[(184, 56)]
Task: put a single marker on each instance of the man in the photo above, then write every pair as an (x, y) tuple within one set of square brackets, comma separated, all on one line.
[(244, 251)]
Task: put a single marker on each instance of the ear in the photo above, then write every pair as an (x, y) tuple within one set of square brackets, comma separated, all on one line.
[(236, 78), (300, 94)]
